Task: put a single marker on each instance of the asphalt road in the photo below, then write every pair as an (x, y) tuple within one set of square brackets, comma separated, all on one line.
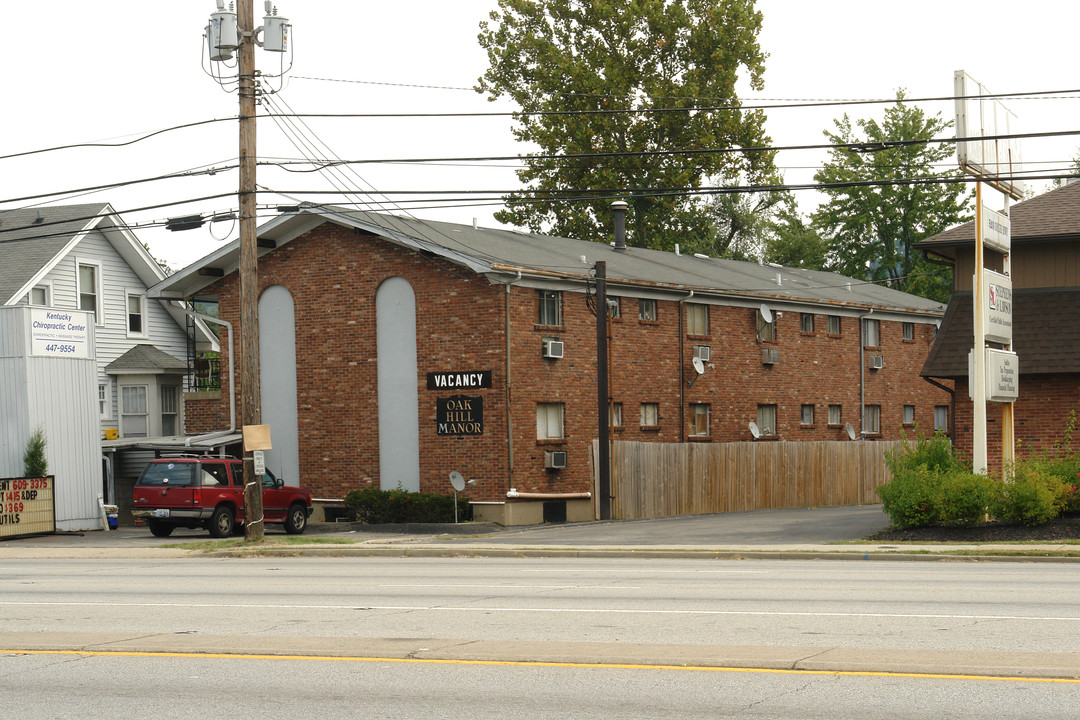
[(537, 637)]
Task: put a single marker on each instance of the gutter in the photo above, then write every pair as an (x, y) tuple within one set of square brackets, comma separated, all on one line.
[(515, 495)]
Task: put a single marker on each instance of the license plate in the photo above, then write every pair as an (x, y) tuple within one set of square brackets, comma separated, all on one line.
[(160, 513)]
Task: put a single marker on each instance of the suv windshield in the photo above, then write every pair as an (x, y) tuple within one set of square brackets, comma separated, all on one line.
[(167, 474)]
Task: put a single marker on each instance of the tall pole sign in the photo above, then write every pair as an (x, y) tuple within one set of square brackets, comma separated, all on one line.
[(980, 121)]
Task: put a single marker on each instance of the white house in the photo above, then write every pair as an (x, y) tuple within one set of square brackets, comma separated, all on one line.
[(83, 257)]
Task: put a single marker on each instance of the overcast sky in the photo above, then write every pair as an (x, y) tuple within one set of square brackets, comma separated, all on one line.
[(78, 72)]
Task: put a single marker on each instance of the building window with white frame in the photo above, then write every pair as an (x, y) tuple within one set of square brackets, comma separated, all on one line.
[(615, 415), (834, 325), (134, 413), (806, 322), (104, 392), (647, 310), (766, 419), (941, 418), (136, 314), (871, 420), (908, 330), (614, 306), (871, 330), (549, 421), (170, 410), (39, 296), (836, 414), (909, 414), (550, 308), (697, 319), (88, 281), (650, 415), (699, 419), (806, 414)]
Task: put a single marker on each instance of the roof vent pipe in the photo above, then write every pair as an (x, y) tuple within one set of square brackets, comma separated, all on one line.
[(618, 209)]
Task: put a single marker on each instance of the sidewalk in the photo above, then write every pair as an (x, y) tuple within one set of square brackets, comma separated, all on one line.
[(833, 532)]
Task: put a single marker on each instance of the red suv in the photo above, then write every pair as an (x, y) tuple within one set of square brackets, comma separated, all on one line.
[(209, 493)]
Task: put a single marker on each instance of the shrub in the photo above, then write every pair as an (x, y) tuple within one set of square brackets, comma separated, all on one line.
[(376, 507), (964, 498), (912, 497), (34, 462), (1032, 497)]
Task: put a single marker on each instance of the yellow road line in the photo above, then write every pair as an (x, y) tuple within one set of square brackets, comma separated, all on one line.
[(524, 663)]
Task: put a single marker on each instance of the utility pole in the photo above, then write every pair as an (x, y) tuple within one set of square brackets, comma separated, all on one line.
[(251, 392), (602, 402)]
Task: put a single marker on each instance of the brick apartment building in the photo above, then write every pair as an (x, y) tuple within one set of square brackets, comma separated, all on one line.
[(395, 351), (1045, 262)]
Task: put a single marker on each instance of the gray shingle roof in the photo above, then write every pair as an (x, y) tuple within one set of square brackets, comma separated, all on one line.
[(500, 254), (145, 358), (26, 246), (1046, 336), (1051, 216)]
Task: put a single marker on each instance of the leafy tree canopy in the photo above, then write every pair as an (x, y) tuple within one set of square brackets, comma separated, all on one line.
[(574, 57), (871, 229)]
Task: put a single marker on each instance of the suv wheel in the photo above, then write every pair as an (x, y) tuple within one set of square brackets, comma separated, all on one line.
[(296, 520), (160, 529), (221, 523)]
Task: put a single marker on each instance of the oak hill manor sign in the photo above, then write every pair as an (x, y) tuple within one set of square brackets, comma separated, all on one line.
[(459, 414)]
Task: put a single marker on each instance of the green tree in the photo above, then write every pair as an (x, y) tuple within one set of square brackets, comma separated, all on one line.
[(34, 462), (569, 59), (791, 241), (871, 229)]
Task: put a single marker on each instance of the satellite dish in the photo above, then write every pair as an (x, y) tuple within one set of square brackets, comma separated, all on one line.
[(850, 431), (699, 365), (457, 481), (754, 429), (766, 313)]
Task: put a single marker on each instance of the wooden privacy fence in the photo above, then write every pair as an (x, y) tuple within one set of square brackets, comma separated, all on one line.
[(651, 479)]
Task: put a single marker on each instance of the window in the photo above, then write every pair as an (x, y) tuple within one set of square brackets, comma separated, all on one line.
[(835, 415), (806, 322), (88, 290), (170, 407), (871, 419), (549, 421), (615, 415), (908, 330), (550, 312), (871, 332), (39, 295), (133, 411), (699, 419), (214, 474), (766, 419), (941, 418), (647, 310), (614, 306), (765, 330), (136, 313), (834, 325), (104, 397), (806, 416), (650, 414), (909, 414), (697, 319)]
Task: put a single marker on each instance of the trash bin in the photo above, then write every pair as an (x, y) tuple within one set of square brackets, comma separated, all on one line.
[(112, 514)]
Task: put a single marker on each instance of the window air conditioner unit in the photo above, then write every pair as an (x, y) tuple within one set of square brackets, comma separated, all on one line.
[(555, 460), (876, 362), (702, 352), (770, 356), (553, 349)]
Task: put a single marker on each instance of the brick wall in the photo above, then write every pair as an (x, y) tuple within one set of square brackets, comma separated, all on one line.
[(1042, 413), (333, 274)]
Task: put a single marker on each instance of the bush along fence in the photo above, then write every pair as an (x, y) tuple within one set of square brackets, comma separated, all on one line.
[(932, 486), (651, 479), (377, 507)]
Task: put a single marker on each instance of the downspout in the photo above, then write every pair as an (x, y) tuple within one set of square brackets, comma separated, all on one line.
[(509, 414), (862, 374), (232, 385), (682, 380)]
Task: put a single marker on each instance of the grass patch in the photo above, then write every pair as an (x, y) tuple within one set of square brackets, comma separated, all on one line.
[(241, 544)]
